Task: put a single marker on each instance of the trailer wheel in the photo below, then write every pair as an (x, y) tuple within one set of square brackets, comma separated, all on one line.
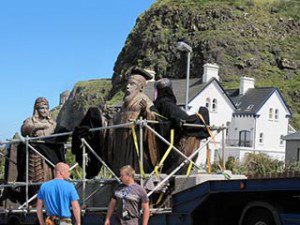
[(259, 216)]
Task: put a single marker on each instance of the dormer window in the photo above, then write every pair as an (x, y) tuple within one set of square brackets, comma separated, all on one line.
[(207, 103), (270, 113), (249, 107), (214, 105), (276, 116)]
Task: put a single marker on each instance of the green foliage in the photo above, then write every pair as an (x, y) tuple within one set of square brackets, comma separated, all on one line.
[(76, 173), (117, 98), (54, 112), (293, 167), (260, 165), (91, 93)]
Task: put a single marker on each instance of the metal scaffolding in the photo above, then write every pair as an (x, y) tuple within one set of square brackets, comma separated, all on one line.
[(141, 124)]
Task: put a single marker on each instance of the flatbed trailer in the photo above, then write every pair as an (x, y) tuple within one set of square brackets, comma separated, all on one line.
[(228, 202), (241, 202)]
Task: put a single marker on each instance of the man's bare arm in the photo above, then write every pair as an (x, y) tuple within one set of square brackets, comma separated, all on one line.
[(39, 211), (110, 210), (146, 212), (76, 211)]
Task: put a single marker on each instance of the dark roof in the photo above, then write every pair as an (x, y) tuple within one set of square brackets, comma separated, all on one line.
[(178, 85), (252, 101), (292, 137)]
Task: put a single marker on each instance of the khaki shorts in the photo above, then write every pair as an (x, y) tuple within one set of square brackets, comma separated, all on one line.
[(50, 221)]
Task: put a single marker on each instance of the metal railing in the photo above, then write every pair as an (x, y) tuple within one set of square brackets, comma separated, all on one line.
[(239, 143), (141, 123)]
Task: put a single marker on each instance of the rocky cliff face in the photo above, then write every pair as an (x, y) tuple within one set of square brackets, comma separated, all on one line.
[(255, 38), (84, 95)]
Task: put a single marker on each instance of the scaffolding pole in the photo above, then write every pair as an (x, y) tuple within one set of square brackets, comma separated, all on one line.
[(179, 167), (84, 156), (141, 149), (168, 143), (27, 170), (99, 158), (37, 152)]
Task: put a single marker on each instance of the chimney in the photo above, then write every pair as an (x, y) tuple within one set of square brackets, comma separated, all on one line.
[(245, 84), (152, 73), (210, 71)]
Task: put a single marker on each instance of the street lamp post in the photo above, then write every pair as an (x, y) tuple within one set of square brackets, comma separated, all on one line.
[(184, 47)]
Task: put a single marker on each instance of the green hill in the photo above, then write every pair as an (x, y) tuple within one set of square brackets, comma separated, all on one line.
[(255, 38)]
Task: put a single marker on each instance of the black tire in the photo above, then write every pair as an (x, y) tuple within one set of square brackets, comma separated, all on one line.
[(259, 216)]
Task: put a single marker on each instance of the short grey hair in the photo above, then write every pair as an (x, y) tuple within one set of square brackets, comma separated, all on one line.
[(128, 170)]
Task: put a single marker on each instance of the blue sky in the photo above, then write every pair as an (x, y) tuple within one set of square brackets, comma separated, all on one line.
[(47, 46)]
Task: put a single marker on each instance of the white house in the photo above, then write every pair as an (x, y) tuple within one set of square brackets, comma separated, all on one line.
[(259, 122)]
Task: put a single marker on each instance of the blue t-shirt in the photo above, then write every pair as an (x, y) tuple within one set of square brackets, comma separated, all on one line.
[(57, 196)]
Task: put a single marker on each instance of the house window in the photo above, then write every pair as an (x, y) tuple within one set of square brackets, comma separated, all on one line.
[(276, 116), (270, 113), (244, 138), (214, 105), (281, 140), (207, 104), (261, 137)]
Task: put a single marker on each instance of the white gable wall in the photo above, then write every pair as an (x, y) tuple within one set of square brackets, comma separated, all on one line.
[(221, 116), (224, 110), (272, 128), (240, 123)]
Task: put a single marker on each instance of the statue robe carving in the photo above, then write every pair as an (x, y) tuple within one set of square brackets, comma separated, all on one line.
[(40, 124)]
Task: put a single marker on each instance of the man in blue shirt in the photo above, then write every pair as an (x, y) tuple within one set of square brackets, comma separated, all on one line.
[(57, 195)]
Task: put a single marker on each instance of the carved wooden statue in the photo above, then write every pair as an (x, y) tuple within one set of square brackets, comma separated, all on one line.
[(40, 124), (136, 104)]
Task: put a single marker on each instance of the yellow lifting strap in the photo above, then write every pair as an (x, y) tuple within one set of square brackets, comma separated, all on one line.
[(159, 198), (207, 147), (142, 172), (208, 163), (160, 164), (208, 129), (188, 172)]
